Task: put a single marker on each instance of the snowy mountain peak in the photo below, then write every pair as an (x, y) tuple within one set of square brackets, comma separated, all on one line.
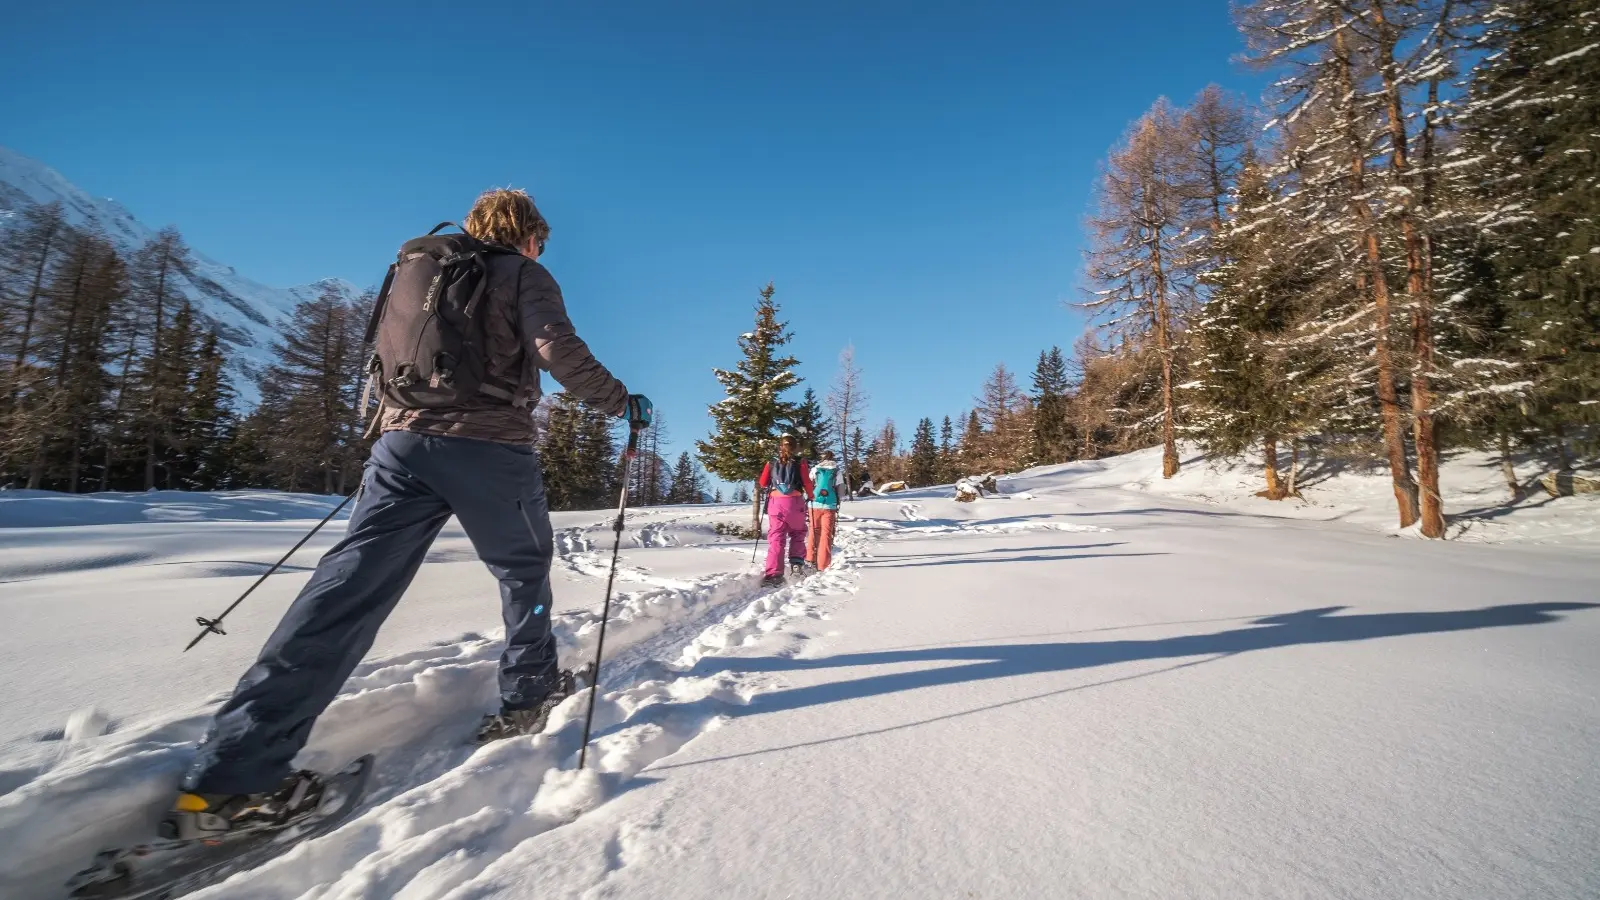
[(246, 313)]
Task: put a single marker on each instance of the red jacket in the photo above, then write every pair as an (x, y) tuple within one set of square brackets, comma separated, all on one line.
[(800, 464)]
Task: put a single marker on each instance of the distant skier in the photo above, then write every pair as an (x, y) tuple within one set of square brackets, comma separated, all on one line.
[(458, 438), (867, 487), (787, 479), (824, 512)]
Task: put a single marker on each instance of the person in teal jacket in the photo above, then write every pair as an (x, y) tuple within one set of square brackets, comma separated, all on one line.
[(824, 512)]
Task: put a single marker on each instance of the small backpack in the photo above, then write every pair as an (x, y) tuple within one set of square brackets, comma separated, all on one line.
[(825, 480), (427, 328)]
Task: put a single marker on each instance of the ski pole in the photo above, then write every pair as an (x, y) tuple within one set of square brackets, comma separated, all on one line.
[(761, 514), (605, 610), (214, 626)]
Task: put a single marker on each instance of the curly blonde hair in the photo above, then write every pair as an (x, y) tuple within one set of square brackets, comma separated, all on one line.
[(505, 216)]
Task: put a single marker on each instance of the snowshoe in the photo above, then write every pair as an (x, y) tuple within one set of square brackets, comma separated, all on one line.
[(220, 835), (508, 723), (772, 581), (797, 568), (209, 816)]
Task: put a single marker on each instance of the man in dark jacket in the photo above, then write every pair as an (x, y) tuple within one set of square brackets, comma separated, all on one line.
[(476, 462)]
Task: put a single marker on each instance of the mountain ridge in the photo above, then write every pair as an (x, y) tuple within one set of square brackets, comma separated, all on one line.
[(247, 314)]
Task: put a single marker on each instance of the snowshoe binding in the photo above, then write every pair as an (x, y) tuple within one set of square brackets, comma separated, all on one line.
[(208, 837), (797, 567), (210, 816), (508, 723)]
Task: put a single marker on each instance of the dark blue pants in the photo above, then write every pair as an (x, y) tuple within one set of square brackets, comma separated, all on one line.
[(412, 485)]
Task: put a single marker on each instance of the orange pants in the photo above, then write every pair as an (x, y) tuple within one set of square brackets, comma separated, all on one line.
[(819, 537)]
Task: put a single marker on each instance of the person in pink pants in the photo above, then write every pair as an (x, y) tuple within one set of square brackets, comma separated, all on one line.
[(787, 480)]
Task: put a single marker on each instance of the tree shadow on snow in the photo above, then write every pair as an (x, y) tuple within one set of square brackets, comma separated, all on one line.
[(1310, 626), (989, 558), (880, 557)]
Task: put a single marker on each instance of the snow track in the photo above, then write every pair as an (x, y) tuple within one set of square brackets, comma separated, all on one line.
[(440, 810)]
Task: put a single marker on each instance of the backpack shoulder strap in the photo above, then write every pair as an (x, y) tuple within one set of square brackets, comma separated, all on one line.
[(435, 229), (378, 304)]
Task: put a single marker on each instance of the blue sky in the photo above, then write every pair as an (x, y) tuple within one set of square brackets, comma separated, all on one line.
[(912, 175)]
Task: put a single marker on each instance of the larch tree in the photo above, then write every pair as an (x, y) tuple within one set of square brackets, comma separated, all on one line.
[(1140, 229), (847, 402), (158, 269)]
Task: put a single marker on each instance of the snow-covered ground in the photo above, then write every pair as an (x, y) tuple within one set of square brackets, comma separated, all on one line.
[(1477, 502), (1074, 690)]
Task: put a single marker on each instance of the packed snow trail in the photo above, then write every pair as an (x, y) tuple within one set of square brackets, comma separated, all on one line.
[(1094, 692)]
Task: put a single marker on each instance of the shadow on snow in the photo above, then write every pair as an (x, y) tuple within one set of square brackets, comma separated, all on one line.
[(1311, 626)]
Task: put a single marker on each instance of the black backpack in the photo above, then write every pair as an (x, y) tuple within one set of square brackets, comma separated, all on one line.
[(427, 327)]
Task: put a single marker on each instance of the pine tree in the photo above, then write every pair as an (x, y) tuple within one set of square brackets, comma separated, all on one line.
[(558, 452), (972, 448), (948, 461), (597, 459), (754, 406), (1052, 394), (688, 485), (1257, 380), (812, 431), (741, 494), (1530, 119), (207, 423), (923, 468), (856, 451), (717, 497)]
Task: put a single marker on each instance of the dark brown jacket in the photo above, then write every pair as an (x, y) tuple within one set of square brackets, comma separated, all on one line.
[(528, 331)]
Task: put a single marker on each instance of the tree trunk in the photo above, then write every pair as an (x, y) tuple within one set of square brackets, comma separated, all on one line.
[(1417, 288), (755, 512), (1508, 470), (1269, 452), (1294, 465), (155, 382), (1169, 444), (75, 464), (1405, 490), (34, 292)]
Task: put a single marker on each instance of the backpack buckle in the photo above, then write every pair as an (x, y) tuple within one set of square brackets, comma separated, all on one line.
[(406, 377)]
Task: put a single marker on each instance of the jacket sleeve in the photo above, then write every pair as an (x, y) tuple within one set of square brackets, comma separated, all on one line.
[(549, 338), (805, 478), (766, 476)]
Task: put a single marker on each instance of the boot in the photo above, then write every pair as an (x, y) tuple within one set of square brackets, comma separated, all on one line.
[(214, 816), (522, 722)]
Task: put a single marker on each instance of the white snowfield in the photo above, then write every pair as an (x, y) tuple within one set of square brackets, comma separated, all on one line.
[(1071, 690)]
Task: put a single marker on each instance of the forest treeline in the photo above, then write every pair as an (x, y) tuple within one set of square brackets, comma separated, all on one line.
[(1390, 256)]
